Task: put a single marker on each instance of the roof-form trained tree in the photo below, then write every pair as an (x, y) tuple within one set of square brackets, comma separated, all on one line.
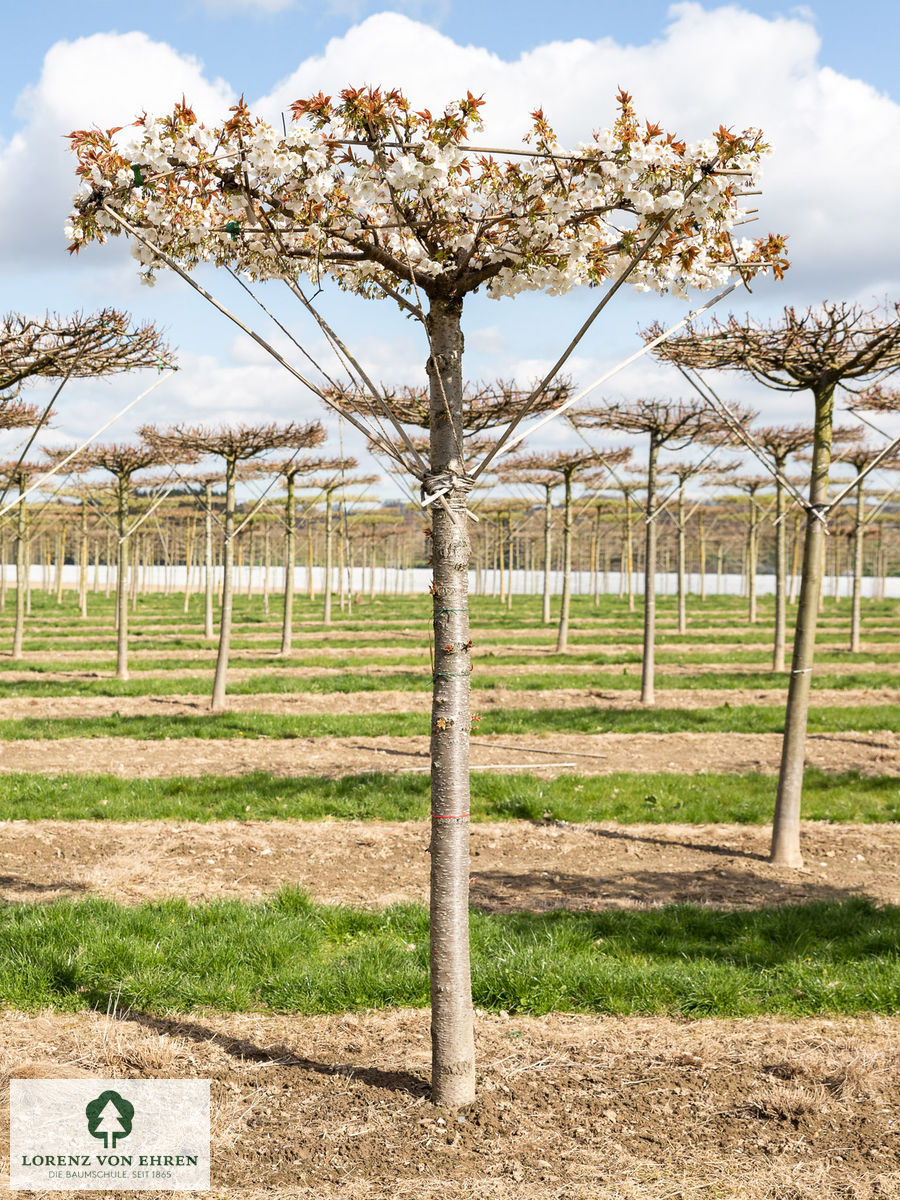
[(672, 423), (80, 346), (815, 350), (565, 465), (122, 461), (396, 202), (234, 444)]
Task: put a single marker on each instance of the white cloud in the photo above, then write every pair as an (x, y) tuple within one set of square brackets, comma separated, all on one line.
[(709, 67), (105, 79)]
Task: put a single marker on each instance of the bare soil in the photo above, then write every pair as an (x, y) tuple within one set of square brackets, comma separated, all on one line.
[(569, 1107), (873, 753), (300, 703), (516, 865)]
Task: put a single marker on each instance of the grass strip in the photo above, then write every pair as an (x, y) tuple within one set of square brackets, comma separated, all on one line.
[(721, 719), (419, 680), (290, 955), (652, 798)]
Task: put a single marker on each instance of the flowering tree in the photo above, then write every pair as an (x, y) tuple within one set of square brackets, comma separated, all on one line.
[(812, 351), (391, 201)]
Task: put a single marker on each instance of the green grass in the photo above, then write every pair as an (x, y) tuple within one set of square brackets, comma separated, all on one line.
[(347, 682), (623, 797), (722, 719), (288, 954)]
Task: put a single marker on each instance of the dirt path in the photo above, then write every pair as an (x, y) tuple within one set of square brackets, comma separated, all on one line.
[(300, 703), (875, 753), (516, 865), (573, 1107)]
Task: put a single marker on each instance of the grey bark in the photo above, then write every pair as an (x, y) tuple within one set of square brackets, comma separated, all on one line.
[(648, 694), (219, 683), (786, 824), (452, 1032)]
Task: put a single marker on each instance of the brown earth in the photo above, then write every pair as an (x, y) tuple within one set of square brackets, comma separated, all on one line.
[(569, 1107), (516, 865), (300, 703), (874, 753)]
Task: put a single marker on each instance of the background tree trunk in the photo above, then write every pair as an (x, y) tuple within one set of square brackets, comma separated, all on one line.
[(548, 534), (289, 553), (329, 558), (786, 825), (452, 1032), (208, 630), (682, 605), (219, 683), (122, 579), (859, 533), (648, 694), (562, 637), (780, 570), (22, 568)]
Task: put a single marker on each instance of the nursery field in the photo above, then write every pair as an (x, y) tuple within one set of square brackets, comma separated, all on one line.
[(242, 896)]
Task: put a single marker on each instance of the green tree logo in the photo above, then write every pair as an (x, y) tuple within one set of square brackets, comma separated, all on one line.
[(109, 1116)]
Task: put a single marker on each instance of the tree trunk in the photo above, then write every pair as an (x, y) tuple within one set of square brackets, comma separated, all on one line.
[(188, 562), (648, 694), (751, 562), (795, 559), (208, 630), (122, 579), (329, 558), (60, 563), (83, 581), (682, 607), (452, 1032), (22, 569), (219, 683), (702, 537), (3, 571), (786, 825), (780, 569), (562, 637), (629, 551), (548, 520), (287, 626), (859, 530)]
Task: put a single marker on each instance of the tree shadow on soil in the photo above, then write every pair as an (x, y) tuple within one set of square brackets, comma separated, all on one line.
[(278, 1054), (542, 891), (704, 847), (57, 887)]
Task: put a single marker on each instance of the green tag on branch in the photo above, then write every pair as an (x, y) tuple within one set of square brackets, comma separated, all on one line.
[(233, 227), (138, 177)]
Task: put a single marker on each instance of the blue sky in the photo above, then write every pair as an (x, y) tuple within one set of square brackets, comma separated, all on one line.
[(820, 79)]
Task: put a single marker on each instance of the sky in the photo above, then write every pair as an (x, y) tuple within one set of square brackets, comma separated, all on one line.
[(820, 80)]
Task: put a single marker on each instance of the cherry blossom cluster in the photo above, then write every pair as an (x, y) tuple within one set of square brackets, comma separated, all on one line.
[(388, 200)]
